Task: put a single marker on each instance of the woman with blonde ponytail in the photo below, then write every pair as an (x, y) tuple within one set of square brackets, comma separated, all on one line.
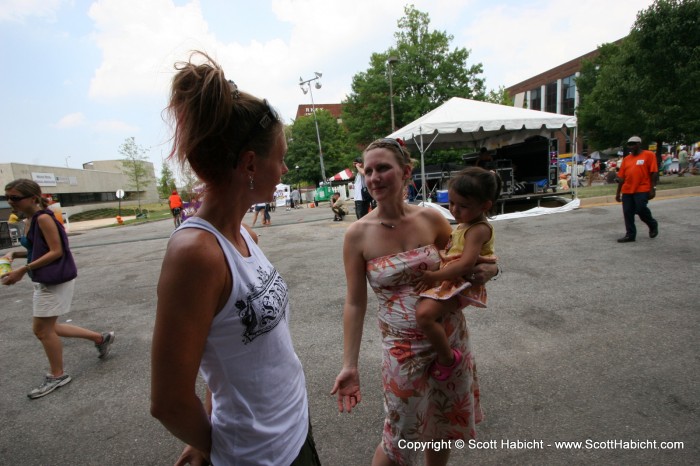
[(223, 309)]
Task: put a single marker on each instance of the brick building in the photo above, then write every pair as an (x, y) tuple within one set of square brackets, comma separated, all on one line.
[(554, 91), (334, 109)]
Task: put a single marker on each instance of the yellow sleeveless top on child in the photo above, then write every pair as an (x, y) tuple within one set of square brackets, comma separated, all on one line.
[(467, 293)]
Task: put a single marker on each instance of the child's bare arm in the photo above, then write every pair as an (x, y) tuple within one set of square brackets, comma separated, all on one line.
[(474, 239)]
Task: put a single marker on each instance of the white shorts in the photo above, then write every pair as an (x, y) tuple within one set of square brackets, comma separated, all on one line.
[(53, 300)]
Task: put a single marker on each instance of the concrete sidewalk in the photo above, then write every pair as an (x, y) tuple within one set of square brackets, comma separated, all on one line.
[(74, 227)]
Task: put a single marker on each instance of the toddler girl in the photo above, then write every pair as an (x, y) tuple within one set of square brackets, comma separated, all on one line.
[(472, 193)]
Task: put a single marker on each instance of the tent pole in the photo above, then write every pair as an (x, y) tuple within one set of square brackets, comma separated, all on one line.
[(574, 167), (422, 165)]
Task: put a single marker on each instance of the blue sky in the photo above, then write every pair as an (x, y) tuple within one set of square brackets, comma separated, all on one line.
[(79, 77)]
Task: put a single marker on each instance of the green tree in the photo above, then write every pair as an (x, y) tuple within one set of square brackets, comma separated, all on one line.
[(166, 184), (426, 75), (499, 96), (647, 84), (338, 151), (134, 167)]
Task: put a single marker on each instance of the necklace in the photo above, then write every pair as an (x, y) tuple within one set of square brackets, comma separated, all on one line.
[(388, 225)]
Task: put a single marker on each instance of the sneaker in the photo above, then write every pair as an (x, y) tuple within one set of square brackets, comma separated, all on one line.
[(654, 232), (50, 384), (625, 239), (104, 347)]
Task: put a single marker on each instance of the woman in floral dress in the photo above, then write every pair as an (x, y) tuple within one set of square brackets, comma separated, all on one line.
[(390, 247)]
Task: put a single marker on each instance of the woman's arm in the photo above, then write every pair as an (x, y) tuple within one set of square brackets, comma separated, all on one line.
[(49, 230), (347, 384), (192, 288), (463, 266)]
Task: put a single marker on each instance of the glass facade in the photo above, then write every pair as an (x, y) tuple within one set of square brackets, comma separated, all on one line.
[(70, 199), (536, 99), (550, 101), (568, 95)]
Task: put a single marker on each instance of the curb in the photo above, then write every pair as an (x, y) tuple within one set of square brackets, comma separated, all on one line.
[(661, 194)]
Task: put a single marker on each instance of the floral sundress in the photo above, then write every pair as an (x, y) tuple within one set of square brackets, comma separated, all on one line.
[(417, 406)]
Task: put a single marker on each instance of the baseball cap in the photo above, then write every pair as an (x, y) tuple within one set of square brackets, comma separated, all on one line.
[(634, 140)]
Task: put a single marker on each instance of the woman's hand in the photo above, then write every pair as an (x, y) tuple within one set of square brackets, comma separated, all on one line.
[(13, 276), (347, 385), (192, 456), (425, 281), (484, 270)]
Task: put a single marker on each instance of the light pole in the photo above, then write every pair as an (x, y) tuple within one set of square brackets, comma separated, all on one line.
[(299, 185), (391, 61), (306, 89)]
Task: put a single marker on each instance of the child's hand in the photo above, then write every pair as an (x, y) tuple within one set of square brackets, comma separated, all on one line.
[(446, 259), (424, 282)]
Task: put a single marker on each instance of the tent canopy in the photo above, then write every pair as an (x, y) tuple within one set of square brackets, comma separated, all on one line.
[(343, 175), (463, 122)]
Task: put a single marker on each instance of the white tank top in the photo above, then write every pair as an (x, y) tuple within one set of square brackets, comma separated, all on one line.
[(259, 404)]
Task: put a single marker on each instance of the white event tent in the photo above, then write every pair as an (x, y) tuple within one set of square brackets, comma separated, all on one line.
[(465, 123)]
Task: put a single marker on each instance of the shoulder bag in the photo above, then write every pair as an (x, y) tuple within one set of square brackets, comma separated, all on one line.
[(62, 269)]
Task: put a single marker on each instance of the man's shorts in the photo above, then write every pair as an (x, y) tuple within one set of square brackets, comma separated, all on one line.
[(176, 211)]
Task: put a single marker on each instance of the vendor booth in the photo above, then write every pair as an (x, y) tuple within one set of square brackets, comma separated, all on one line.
[(513, 132)]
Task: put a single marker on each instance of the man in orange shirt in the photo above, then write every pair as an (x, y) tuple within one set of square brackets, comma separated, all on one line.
[(175, 203), (636, 186)]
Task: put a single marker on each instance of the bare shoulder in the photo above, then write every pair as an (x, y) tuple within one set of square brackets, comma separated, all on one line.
[(356, 231), (433, 218), (249, 229), (193, 248)]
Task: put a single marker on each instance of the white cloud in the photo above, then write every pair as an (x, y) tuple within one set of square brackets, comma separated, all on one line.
[(140, 41), (114, 126), (18, 10), (518, 42), (78, 119), (71, 120)]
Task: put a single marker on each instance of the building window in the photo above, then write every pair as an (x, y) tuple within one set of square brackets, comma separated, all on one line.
[(551, 98), (568, 95), (536, 99)]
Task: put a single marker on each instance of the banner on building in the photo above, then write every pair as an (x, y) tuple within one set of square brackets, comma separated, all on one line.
[(44, 179)]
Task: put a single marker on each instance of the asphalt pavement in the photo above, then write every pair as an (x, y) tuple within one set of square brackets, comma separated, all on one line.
[(585, 340)]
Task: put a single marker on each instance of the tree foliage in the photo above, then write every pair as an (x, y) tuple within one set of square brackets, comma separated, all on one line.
[(133, 165), (166, 184), (426, 74), (303, 152), (646, 84), (499, 96)]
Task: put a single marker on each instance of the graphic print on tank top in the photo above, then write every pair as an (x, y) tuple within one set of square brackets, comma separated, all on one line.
[(264, 306)]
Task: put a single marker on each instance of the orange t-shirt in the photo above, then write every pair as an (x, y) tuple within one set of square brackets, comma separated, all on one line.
[(175, 201), (636, 170)]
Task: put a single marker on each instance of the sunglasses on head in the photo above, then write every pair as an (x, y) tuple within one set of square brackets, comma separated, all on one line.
[(268, 118), (17, 198)]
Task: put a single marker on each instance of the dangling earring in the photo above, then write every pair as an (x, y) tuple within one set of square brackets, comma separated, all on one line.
[(250, 184)]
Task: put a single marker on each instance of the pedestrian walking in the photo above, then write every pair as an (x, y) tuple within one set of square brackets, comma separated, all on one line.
[(638, 176), (51, 267)]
